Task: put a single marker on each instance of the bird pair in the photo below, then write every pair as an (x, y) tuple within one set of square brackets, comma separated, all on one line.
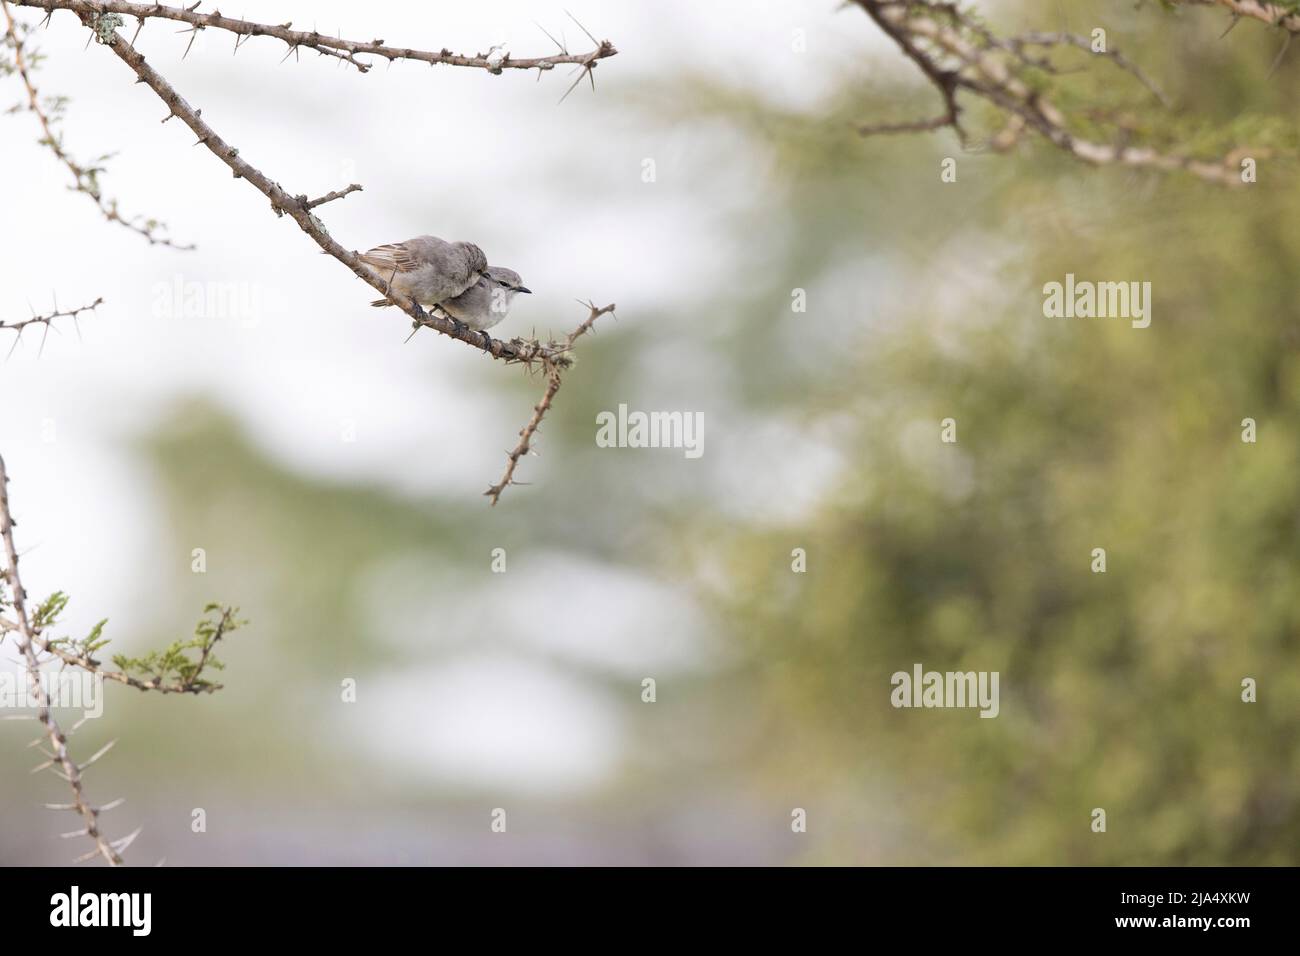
[(452, 276)]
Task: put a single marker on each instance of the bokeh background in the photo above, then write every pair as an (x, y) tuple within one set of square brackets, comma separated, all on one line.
[(166, 427)]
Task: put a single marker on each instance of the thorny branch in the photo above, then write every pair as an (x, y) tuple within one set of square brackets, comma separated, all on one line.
[(85, 178), (958, 54), (297, 207), (104, 17), (1283, 15), (944, 80), (46, 319), (170, 671), (57, 757), (321, 43), (553, 382)]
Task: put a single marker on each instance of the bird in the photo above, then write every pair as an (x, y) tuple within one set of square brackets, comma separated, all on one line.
[(426, 269), (487, 301)]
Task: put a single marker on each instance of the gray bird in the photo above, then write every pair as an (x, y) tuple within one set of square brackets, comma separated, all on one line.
[(487, 301), (426, 268)]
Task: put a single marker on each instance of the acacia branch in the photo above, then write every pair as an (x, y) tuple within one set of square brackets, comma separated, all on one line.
[(325, 45), (85, 178), (553, 382), (185, 684), (104, 18), (331, 196), (1284, 16), (958, 54), (58, 757), (1018, 43), (47, 320), (944, 80), (298, 207)]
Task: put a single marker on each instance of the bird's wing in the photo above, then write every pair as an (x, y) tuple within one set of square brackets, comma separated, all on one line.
[(393, 257)]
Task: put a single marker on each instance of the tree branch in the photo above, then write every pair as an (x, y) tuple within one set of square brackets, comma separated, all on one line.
[(553, 382), (188, 683), (943, 80), (104, 18), (86, 178), (47, 320), (330, 197), (58, 756), (1280, 15), (345, 50), (298, 208), (958, 53)]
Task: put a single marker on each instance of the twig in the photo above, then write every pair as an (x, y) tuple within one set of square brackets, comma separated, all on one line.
[(92, 666), (907, 126), (553, 382), (1283, 16), (58, 754), (944, 80), (47, 320), (330, 197), (325, 45), (85, 177), (1083, 43), (958, 54)]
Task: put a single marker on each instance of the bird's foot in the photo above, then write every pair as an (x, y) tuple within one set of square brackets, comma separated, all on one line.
[(419, 310), (487, 340)]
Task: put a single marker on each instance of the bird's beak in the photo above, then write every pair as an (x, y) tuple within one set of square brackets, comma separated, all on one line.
[(520, 288)]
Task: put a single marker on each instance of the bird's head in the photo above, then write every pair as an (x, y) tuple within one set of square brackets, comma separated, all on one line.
[(502, 285), (499, 277)]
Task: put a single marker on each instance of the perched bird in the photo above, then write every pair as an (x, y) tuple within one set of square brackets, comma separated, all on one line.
[(487, 301), (427, 269)]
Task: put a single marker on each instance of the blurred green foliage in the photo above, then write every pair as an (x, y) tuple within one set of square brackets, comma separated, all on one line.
[(1120, 690)]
